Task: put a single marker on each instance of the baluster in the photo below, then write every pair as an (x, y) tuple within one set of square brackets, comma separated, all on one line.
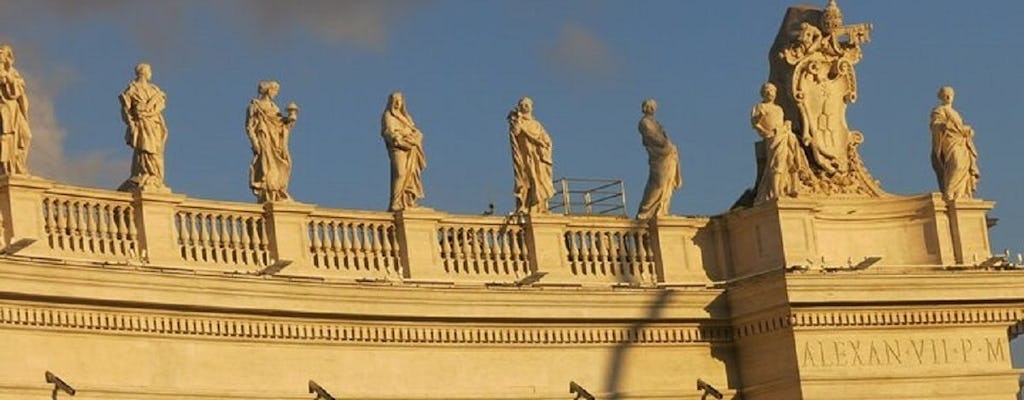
[(62, 223), (120, 226), (650, 258), (362, 247), (572, 242), (216, 245), (501, 255), (629, 241), (203, 237), (245, 241), (346, 244), (387, 249), (487, 244), (132, 238), (91, 222), (317, 232), (227, 236), (258, 241), (51, 210), (641, 252), (375, 247), (444, 240), (73, 221), (519, 257), (103, 228), (325, 245)]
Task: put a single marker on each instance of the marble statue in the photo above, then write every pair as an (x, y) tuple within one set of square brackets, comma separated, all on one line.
[(954, 157), (142, 106), (269, 129), (531, 159), (813, 69), (663, 159), (784, 157), (405, 148), (15, 135)]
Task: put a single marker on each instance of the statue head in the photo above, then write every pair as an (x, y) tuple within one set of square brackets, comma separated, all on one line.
[(946, 94), (143, 72), (808, 34), (396, 101), (768, 92), (268, 88), (649, 107), (832, 19), (525, 105), (6, 55)]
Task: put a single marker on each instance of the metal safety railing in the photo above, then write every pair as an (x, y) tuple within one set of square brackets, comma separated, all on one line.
[(586, 196)]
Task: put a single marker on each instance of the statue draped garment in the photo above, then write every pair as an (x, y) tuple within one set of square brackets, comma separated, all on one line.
[(142, 106), (954, 157), (405, 148), (664, 177), (271, 165), (784, 155), (15, 134), (532, 163)]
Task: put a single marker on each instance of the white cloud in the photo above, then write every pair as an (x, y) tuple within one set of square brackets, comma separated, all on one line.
[(578, 51)]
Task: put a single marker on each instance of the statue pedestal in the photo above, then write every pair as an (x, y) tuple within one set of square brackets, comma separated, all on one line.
[(918, 319)]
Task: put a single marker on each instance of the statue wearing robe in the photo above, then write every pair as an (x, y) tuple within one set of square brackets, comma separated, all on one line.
[(784, 157), (663, 159), (15, 135), (405, 149), (142, 106), (531, 158), (954, 157), (269, 130)]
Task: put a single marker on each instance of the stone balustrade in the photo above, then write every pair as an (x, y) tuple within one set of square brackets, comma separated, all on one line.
[(419, 246)]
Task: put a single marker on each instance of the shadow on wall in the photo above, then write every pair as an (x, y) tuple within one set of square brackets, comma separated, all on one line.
[(617, 364), (1017, 357)]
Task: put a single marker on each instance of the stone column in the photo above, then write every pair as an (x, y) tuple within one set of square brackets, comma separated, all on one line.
[(288, 236), (419, 249), (154, 219), (969, 228), (22, 200), (679, 259), (545, 240)]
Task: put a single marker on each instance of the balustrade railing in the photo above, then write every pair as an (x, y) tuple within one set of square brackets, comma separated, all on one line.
[(90, 223), (217, 233), (355, 244), (613, 250), (294, 239), (483, 247)]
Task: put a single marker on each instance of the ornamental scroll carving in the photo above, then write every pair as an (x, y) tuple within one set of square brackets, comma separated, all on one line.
[(812, 65)]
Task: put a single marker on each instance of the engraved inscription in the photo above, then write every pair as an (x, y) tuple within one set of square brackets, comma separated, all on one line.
[(902, 352)]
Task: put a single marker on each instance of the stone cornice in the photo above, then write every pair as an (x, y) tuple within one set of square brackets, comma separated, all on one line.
[(141, 287), (108, 321)]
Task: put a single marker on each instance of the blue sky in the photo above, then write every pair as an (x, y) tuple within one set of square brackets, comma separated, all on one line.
[(464, 64)]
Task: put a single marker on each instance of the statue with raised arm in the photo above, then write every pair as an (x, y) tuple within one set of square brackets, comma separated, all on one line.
[(269, 129), (405, 148), (531, 159), (784, 157), (142, 106), (954, 157), (663, 159), (15, 135)]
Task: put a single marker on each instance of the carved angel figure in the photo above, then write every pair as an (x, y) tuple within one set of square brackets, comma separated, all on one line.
[(784, 156), (954, 157), (142, 106), (531, 159), (405, 148), (269, 130), (663, 159), (15, 135)]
